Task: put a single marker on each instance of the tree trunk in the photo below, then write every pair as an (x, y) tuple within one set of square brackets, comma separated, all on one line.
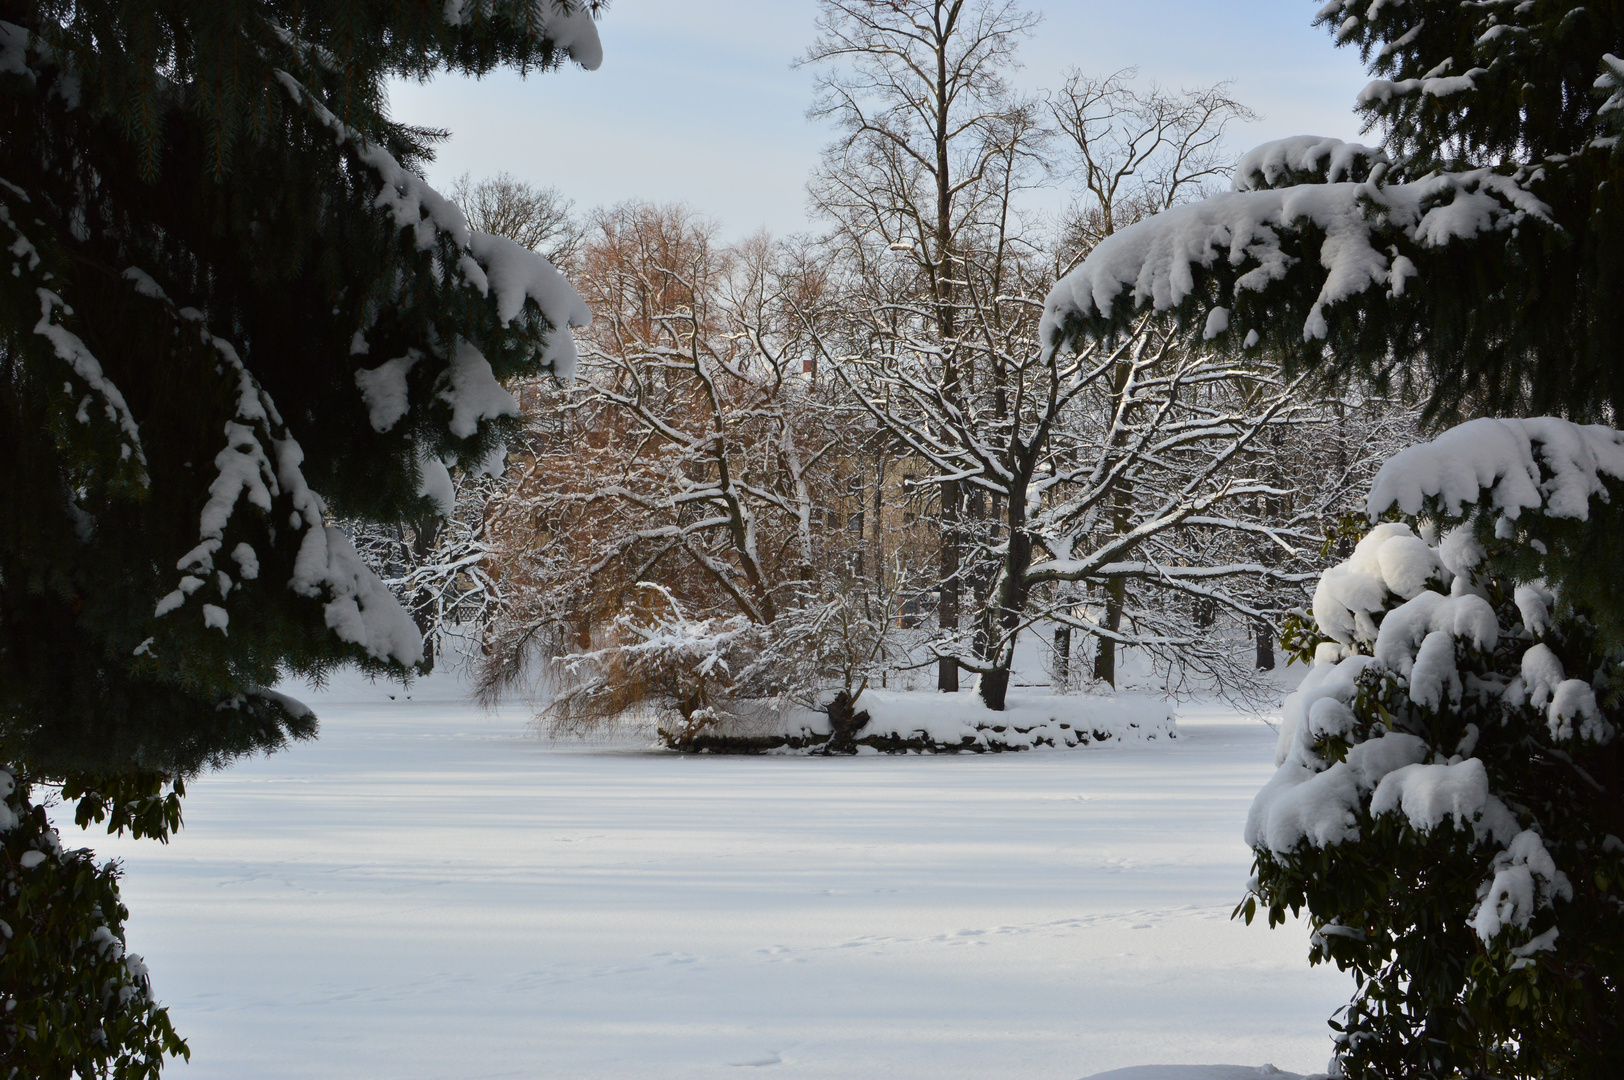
[(424, 534), (947, 608), (1062, 659), (1265, 646), (844, 724), (1013, 593), (1105, 655), (995, 688)]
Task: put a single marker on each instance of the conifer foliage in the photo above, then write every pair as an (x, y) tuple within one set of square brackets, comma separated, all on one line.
[(1478, 243), (1448, 807), (231, 310)]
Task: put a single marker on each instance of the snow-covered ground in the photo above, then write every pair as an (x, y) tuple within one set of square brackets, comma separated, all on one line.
[(430, 891)]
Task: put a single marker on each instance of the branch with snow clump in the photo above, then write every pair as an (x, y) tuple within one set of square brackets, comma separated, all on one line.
[(568, 23), (260, 462), (1157, 262), (490, 265), (68, 346)]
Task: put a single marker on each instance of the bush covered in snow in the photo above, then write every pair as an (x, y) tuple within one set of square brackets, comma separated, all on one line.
[(1449, 804)]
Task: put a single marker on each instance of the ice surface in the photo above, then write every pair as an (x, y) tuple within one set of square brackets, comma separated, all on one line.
[(430, 892)]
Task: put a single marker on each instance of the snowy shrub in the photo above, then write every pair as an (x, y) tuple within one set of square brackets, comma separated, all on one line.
[(709, 681), (1448, 802), (662, 659), (73, 1003)]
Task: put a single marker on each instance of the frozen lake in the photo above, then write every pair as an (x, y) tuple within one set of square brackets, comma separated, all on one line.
[(429, 891)]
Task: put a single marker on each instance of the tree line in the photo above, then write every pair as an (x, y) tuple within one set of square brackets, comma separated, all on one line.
[(790, 467)]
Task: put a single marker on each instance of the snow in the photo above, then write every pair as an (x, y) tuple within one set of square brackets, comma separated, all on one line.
[(428, 891), (1428, 795), (517, 274), (1611, 78), (78, 356), (383, 390), (14, 50), (360, 608), (1467, 617), (1332, 160), (1575, 699), (435, 484), (569, 25), (1499, 462), (471, 389), (1534, 600), (1541, 674), (247, 561), (1525, 879), (1153, 262), (1385, 90), (1390, 560), (1434, 678)]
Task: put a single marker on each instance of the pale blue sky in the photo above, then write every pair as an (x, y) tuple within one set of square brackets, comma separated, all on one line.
[(697, 102)]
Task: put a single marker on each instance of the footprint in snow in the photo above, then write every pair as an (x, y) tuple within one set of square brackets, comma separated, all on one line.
[(756, 1063)]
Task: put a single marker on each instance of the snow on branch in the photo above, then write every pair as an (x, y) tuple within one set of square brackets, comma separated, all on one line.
[(567, 23), (490, 265), (1545, 464), (1306, 159), (1159, 262), (260, 462), (78, 356), (67, 345)]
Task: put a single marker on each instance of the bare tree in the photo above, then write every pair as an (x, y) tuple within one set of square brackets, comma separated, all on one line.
[(539, 218), (918, 89), (1135, 151), (679, 534)]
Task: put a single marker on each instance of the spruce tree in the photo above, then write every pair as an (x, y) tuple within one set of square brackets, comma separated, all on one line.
[(1450, 798), (231, 311), (1474, 251)]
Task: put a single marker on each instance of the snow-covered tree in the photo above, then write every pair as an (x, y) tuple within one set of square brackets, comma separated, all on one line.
[(919, 91), (678, 524), (439, 567), (1125, 491), (1474, 249), (1473, 258), (1449, 802), (232, 309), (436, 561)]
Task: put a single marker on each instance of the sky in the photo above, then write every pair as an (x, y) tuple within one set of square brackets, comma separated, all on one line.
[(698, 101)]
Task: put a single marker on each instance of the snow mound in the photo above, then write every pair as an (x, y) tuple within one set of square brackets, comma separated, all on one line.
[(1201, 1072)]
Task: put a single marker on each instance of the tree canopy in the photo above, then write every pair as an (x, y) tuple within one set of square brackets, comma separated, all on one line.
[(232, 309)]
